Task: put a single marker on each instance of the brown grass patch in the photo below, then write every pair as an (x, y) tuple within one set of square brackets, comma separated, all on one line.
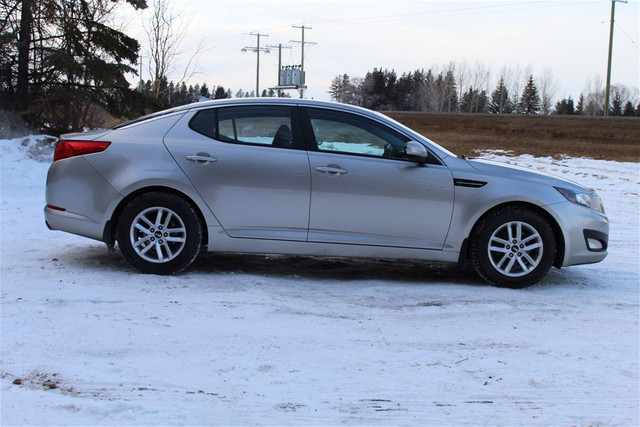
[(604, 138)]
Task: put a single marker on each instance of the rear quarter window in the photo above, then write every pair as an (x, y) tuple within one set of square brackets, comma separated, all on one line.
[(205, 123)]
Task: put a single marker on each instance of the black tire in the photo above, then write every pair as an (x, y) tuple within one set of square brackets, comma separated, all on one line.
[(512, 247), (159, 233)]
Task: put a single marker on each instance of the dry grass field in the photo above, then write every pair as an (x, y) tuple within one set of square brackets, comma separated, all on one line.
[(605, 138)]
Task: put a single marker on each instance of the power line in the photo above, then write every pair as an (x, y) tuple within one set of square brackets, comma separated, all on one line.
[(503, 7)]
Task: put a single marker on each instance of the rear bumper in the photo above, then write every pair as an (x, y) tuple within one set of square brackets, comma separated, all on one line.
[(77, 198), (72, 223)]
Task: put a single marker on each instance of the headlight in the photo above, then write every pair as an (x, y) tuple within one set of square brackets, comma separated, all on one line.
[(590, 200)]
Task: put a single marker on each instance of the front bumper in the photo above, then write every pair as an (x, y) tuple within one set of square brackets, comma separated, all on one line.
[(586, 234)]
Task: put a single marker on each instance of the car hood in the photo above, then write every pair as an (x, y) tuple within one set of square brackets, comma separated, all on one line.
[(503, 170)]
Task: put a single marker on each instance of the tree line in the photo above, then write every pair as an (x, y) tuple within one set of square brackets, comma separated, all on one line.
[(167, 94), (63, 67), (440, 92)]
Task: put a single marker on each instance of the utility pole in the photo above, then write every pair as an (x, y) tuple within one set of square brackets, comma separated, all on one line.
[(141, 79), (279, 47), (302, 43), (257, 49), (607, 92)]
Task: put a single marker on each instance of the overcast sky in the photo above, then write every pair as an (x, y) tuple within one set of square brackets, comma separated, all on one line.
[(354, 36)]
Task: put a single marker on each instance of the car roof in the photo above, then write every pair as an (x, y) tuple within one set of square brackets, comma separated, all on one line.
[(274, 101), (250, 101), (265, 101)]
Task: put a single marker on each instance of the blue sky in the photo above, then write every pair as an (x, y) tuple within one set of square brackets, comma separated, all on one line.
[(569, 38)]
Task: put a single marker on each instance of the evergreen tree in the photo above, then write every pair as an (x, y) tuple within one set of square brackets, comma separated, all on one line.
[(404, 87), (417, 99), (62, 65), (628, 109), (204, 91), (220, 93), (515, 103), (466, 102), (483, 102), (443, 93), (182, 95), (427, 93), (163, 92), (450, 98), (580, 105), (343, 90), (474, 101), (616, 104), (530, 100), (378, 89), (500, 102), (405, 92), (565, 107)]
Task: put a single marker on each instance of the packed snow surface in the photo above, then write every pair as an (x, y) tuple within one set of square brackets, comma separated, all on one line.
[(254, 340)]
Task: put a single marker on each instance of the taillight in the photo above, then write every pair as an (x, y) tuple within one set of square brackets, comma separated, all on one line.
[(55, 208), (65, 149)]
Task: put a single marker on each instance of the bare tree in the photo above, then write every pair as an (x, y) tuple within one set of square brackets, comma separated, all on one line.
[(443, 96), (166, 31), (478, 87), (516, 79), (462, 72), (548, 87), (595, 96)]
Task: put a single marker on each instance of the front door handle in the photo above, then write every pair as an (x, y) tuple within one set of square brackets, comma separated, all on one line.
[(201, 158), (332, 170)]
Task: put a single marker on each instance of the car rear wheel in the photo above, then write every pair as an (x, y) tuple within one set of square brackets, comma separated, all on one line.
[(159, 233), (513, 247)]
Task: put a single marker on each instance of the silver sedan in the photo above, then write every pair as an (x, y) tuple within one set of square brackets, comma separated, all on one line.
[(282, 176)]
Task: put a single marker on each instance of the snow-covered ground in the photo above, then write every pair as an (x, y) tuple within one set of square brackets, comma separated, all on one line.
[(253, 340)]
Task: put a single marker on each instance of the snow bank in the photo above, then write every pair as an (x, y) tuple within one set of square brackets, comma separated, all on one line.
[(86, 340)]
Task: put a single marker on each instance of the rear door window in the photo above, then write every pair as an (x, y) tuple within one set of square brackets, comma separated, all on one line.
[(269, 125)]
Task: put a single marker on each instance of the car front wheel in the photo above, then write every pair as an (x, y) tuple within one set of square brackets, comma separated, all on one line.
[(159, 233), (513, 247)]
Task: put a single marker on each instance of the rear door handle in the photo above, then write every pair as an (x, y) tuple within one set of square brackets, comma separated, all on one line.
[(201, 158), (332, 170)]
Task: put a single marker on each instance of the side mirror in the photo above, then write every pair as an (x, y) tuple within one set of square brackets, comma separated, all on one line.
[(416, 151)]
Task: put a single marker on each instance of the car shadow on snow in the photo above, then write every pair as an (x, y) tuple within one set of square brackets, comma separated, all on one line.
[(343, 269), (92, 257)]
